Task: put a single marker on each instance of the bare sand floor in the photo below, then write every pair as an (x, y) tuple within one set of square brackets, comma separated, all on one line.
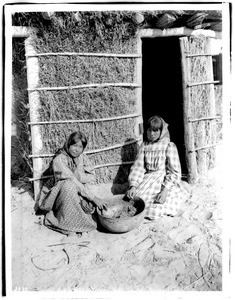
[(183, 253)]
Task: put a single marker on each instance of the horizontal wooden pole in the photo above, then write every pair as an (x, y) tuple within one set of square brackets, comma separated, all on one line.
[(82, 86), (40, 178), (95, 167), (198, 55), (120, 55), (41, 155), (179, 31), (202, 83), (90, 151), (23, 31), (204, 119), (204, 147), (84, 121), (112, 147), (114, 164)]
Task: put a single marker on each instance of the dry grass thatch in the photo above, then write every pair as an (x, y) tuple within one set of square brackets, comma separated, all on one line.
[(108, 32), (88, 103)]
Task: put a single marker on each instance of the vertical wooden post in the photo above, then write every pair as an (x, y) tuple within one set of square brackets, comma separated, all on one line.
[(33, 79), (138, 74), (212, 105), (211, 77), (188, 129)]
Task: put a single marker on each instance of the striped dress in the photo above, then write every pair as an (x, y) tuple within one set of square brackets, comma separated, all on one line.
[(158, 165)]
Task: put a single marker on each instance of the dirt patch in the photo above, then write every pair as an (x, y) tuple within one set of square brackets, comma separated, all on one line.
[(170, 254), (183, 253)]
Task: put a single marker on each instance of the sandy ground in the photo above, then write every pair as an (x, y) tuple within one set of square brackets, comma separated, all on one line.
[(183, 253)]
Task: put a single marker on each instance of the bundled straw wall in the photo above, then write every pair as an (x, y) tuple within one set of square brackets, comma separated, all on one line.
[(219, 111), (112, 33), (202, 101), (89, 102)]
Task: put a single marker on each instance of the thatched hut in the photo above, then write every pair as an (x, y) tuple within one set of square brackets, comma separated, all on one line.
[(107, 72)]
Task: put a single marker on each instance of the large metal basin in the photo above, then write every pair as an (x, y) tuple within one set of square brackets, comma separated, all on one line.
[(124, 224)]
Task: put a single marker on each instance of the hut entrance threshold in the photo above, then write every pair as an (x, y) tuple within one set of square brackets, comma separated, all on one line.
[(162, 92)]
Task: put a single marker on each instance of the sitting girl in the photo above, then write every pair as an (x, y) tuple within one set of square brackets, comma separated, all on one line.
[(70, 205), (156, 174)]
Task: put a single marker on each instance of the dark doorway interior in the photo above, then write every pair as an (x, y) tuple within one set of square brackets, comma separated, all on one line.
[(162, 87)]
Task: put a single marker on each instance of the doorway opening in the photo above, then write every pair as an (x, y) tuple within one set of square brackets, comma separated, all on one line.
[(162, 87)]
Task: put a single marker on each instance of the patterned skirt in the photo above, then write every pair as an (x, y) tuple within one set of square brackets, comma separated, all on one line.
[(67, 211), (149, 189)]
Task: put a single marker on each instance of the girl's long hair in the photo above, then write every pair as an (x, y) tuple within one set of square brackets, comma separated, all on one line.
[(73, 139)]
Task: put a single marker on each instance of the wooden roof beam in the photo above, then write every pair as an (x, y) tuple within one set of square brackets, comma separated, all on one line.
[(180, 31), (23, 31)]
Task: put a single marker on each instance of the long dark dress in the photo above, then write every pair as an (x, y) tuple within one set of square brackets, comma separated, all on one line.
[(68, 205)]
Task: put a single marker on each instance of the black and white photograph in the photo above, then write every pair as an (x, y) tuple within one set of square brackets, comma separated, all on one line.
[(117, 130)]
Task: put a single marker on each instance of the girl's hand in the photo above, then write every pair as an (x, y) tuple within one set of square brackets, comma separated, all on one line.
[(161, 197), (100, 203), (131, 192)]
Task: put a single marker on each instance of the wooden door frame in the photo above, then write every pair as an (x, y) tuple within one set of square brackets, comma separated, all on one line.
[(153, 33), (156, 33)]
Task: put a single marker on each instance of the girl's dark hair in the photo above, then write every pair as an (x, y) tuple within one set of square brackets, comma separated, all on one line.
[(154, 123), (76, 137)]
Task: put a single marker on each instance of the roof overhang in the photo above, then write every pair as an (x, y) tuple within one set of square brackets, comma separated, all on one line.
[(180, 31)]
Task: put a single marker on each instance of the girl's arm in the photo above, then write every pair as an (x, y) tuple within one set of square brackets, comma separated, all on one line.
[(137, 170), (62, 172), (173, 167), (88, 174)]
